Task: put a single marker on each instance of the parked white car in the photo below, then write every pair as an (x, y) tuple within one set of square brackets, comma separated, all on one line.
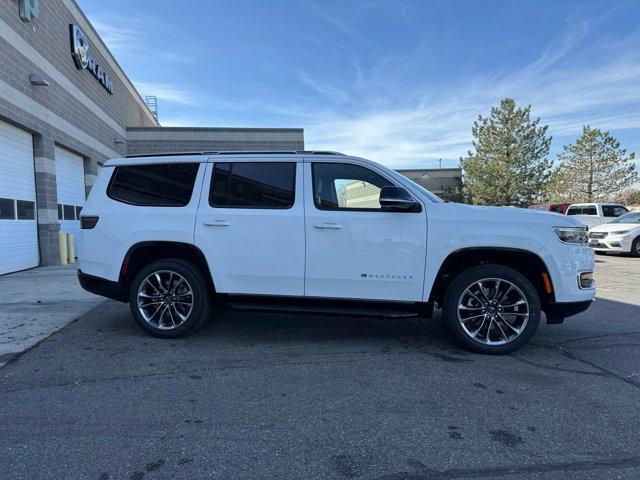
[(325, 233), (594, 214), (621, 235)]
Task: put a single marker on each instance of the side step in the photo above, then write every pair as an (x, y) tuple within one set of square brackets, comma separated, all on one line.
[(323, 310)]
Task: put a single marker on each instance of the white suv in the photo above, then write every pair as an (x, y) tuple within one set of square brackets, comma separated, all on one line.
[(174, 235)]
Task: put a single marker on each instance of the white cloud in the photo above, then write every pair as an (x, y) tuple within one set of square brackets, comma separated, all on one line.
[(565, 90), (168, 93)]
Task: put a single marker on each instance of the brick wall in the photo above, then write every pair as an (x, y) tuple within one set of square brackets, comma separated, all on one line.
[(178, 139)]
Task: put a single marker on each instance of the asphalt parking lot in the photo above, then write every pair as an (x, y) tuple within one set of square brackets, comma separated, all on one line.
[(281, 396)]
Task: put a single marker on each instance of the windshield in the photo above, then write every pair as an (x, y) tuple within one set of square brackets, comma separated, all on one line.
[(631, 217)]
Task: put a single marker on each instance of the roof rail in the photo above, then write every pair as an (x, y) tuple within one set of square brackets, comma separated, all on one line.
[(254, 152), (163, 154), (318, 152), (237, 152)]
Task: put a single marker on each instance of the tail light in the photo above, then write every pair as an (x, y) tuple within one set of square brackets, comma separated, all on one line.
[(88, 222)]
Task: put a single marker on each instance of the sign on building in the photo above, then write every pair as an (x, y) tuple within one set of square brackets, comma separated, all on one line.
[(29, 9), (83, 58)]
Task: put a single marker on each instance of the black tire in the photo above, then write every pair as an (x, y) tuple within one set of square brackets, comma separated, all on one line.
[(635, 248), (201, 298), (472, 275)]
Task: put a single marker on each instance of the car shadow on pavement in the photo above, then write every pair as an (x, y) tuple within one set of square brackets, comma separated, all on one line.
[(606, 323)]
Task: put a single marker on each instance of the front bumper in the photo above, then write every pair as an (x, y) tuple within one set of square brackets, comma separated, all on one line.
[(556, 312), (611, 243), (102, 287)]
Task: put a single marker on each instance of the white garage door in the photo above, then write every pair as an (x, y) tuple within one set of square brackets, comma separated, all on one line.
[(18, 228), (70, 185)]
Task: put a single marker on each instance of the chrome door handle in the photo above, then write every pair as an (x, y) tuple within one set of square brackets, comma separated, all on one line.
[(329, 226), (216, 223)]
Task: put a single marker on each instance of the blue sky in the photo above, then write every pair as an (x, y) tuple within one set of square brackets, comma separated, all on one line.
[(397, 81)]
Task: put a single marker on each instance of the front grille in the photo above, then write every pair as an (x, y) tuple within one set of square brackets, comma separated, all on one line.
[(597, 234), (598, 245)]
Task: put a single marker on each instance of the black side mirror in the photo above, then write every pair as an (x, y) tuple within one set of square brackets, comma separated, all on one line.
[(397, 199)]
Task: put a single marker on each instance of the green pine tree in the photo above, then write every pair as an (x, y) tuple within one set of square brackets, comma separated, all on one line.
[(509, 163), (594, 168)]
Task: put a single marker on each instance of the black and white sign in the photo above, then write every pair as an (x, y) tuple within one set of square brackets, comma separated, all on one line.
[(84, 59)]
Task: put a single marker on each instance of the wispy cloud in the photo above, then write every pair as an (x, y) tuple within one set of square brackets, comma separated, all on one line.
[(169, 93), (129, 37), (336, 22), (369, 95), (565, 89)]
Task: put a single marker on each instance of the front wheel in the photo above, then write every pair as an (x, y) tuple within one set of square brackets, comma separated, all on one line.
[(169, 298), (635, 248), (491, 309)]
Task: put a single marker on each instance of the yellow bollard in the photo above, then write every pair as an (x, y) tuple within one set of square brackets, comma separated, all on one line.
[(62, 242), (71, 251)]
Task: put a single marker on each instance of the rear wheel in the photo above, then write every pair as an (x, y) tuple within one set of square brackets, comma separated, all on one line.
[(169, 298), (492, 309)]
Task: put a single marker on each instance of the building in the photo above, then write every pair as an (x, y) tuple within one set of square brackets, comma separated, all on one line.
[(144, 140), (444, 182), (66, 106)]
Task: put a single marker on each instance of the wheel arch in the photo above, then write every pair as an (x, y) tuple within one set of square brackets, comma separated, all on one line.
[(143, 253), (526, 262)]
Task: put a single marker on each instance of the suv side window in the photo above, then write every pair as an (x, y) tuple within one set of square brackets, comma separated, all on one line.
[(589, 210), (342, 186), (156, 185), (253, 185), (613, 210)]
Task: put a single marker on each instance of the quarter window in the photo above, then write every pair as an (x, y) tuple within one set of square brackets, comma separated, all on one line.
[(158, 185), (343, 186), (253, 185)]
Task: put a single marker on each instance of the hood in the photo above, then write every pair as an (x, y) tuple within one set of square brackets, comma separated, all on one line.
[(615, 227), (515, 214)]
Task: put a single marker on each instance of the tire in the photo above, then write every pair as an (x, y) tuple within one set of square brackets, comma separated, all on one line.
[(178, 314), (635, 248), (504, 313)]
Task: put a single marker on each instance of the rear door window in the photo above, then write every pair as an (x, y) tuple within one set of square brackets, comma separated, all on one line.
[(589, 210), (157, 185), (254, 185)]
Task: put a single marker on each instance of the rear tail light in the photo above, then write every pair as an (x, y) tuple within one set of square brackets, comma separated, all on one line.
[(88, 222)]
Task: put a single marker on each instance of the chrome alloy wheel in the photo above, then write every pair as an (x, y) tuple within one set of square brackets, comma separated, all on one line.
[(493, 311), (165, 299)]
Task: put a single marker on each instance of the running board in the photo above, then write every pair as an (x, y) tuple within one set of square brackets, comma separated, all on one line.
[(323, 310)]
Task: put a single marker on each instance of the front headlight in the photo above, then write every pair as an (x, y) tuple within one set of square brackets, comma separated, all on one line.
[(577, 235), (620, 232)]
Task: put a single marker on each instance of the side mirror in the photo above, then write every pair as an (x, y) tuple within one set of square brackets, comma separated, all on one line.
[(397, 199)]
